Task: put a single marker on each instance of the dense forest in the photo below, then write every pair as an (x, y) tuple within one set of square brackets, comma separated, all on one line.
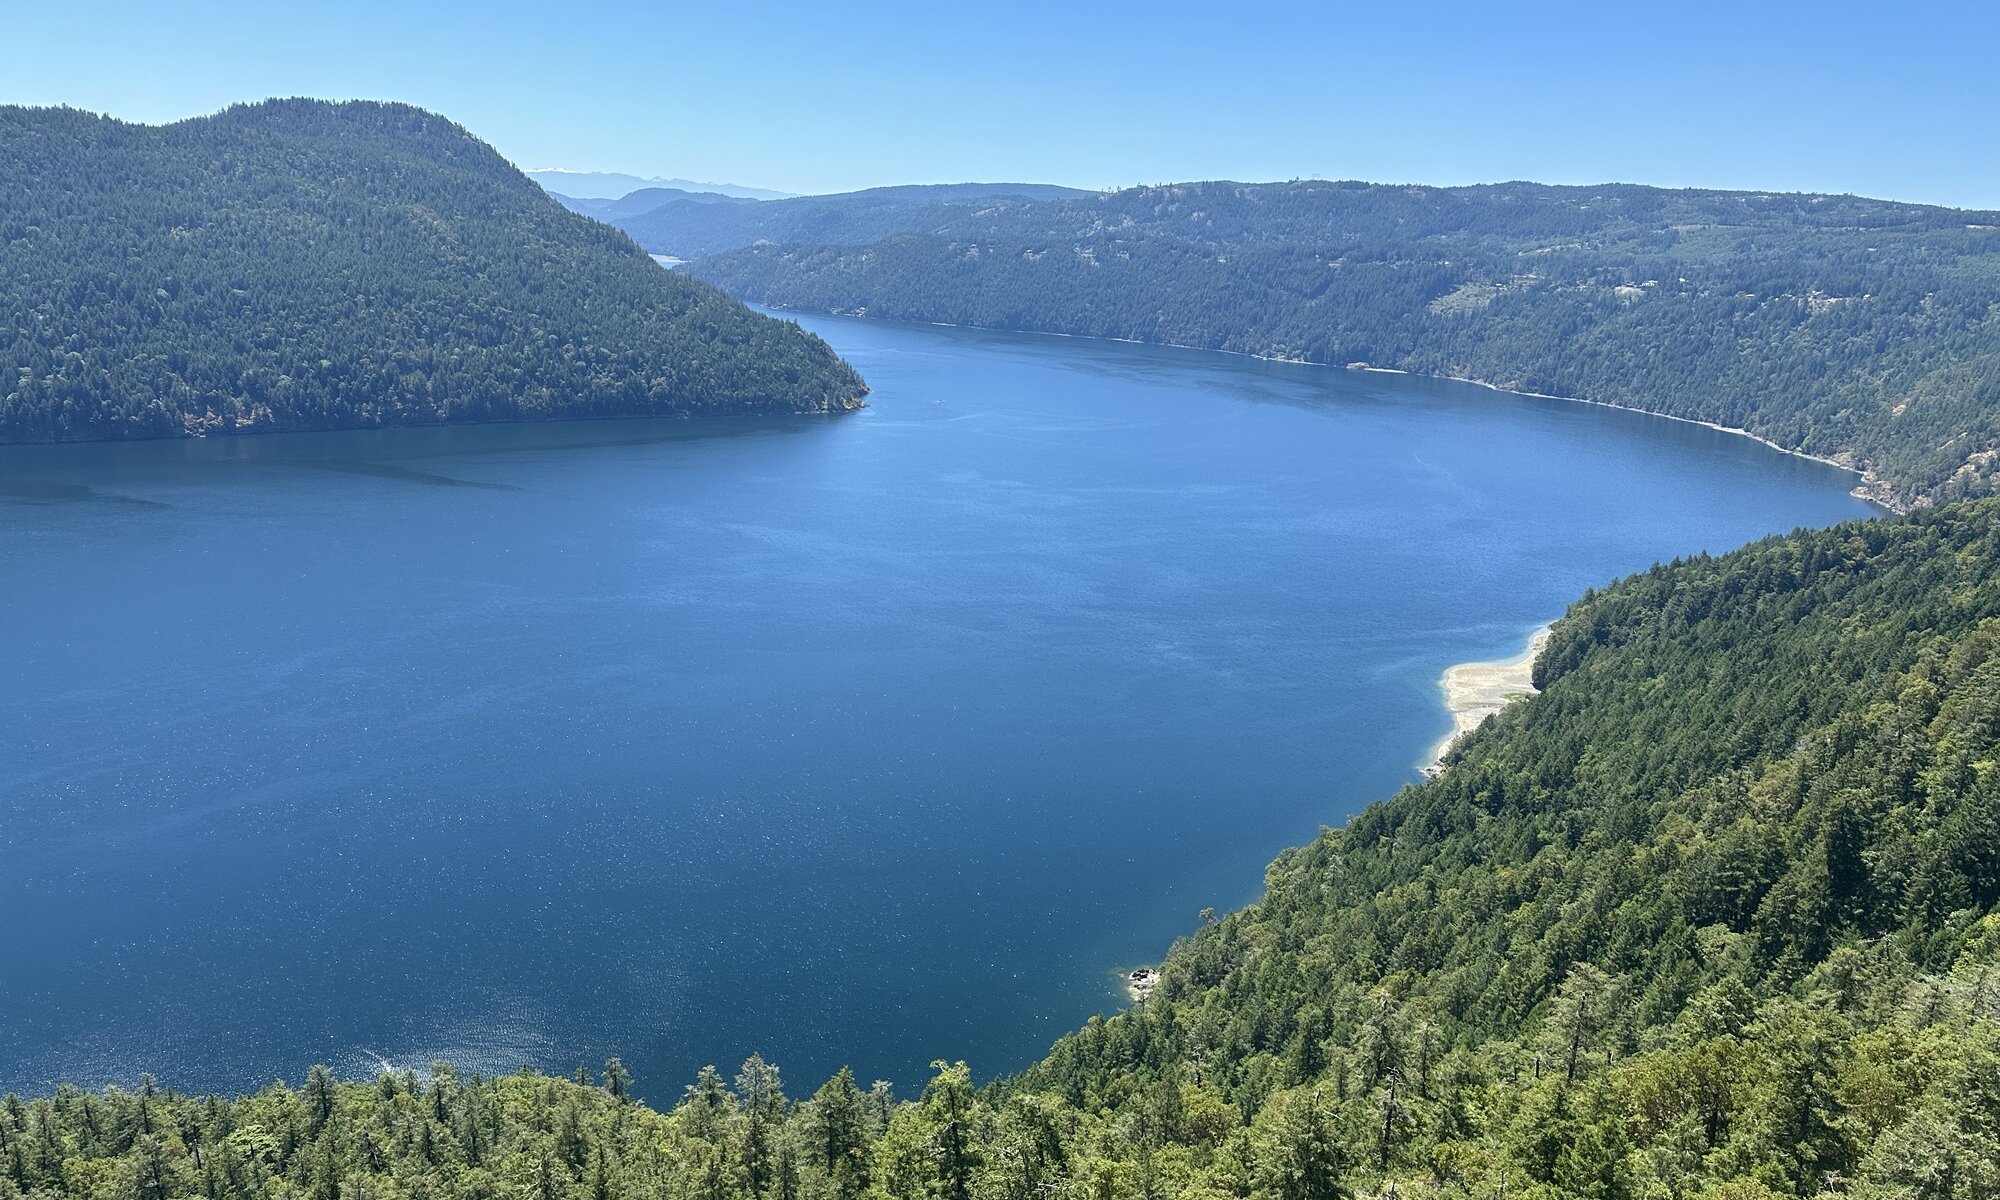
[(1715, 914), (1859, 330), (297, 264)]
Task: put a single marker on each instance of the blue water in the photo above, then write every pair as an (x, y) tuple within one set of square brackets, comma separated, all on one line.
[(864, 740)]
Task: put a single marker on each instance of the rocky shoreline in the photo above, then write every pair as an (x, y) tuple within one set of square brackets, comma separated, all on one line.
[(1140, 983)]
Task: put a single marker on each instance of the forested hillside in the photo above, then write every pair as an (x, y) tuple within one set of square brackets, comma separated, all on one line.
[(304, 265), (1860, 330), (1713, 915)]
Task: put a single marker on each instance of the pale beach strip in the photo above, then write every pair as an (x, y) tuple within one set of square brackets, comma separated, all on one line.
[(1474, 691)]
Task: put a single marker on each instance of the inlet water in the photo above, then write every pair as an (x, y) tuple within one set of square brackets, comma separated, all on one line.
[(868, 740)]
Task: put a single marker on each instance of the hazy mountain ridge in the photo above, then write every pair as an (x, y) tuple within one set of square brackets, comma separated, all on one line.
[(1858, 330), (300, 264), (641, 202), (685, 226), (610, 185)]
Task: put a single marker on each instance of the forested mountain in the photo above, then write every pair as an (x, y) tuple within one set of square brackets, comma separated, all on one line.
[(1716, 914), (1860, 330), (687, 227), (304, 265)]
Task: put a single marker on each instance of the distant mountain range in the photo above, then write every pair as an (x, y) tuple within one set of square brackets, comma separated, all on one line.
[(610, 185), (641, 202), (689, 225)]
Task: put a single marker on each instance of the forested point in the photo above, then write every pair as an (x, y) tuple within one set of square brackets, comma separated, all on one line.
[(298, 264), (1863, 331), (1715, 914)]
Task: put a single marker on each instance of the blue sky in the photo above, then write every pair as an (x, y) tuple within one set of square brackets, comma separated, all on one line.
[(1880, 99)]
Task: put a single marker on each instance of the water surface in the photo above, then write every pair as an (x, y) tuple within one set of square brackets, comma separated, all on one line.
[(870, 740)]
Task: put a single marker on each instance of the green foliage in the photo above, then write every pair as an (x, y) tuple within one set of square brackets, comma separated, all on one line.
[(1714, 915), (304, 265), (1860, 330)]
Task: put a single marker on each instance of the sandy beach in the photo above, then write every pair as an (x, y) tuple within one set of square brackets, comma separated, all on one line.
[(1474, 691)]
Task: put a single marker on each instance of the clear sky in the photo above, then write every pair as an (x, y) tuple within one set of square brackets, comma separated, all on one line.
[(1885, 99)]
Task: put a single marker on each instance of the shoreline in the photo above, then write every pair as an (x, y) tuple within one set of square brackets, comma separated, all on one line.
[(186, 436), (1871, 490), (1139, 983), (1474, 691)]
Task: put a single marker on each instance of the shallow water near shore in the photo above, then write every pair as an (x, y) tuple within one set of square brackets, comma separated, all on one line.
[(866, 740)]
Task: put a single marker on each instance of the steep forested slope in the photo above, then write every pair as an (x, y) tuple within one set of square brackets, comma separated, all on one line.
[(304, 265), (1719, 903), (1861, 330), (1712, 915)]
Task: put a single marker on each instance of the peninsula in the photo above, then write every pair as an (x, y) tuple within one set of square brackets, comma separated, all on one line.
[(356, 265)]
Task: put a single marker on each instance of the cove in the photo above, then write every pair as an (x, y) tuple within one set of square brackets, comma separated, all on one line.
[(868, 740)]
